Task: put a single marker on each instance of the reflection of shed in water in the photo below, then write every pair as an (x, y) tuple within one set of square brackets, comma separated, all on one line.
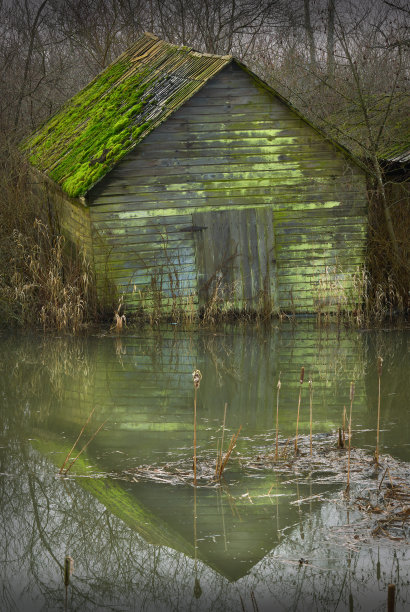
[(233, 531), (144, 385), (179, 172)]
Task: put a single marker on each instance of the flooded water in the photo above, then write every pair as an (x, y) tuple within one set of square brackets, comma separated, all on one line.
[(261, 540)]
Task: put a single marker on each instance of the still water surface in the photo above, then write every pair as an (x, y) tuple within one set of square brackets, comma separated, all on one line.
[(153, 546)]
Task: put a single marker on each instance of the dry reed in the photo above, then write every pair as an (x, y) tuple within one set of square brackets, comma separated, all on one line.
[(350, 435), (197, 377), (219, 454), (120, 321), (278, 386), (311, 411), (85, 446), (225, 459), (344, 426), (379, 375), (76, 442), (302, 376)]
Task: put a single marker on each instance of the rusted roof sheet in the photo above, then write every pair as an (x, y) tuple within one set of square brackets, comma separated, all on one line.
[(104, 121)]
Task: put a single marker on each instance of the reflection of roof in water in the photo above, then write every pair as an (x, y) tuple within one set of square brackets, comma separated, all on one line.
[(234, 532)]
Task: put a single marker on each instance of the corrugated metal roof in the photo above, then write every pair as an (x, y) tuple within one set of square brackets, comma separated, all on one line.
[(97, 127), (397, 155), (402, 158)]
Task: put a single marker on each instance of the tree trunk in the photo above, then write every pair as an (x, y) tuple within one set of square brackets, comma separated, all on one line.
[(330, 41), (33, 32), (309, 34)]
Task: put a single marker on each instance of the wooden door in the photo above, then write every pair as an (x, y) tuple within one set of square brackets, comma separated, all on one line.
[(235, 257)]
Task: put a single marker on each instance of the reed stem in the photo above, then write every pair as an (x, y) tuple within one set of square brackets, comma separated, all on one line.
[(75, 443), (277, 417), (85, 446), (302, 375), (197, 376), (195, 437), (232, 445), (379, 375), (350, 434), (311, 411), (222, 439)]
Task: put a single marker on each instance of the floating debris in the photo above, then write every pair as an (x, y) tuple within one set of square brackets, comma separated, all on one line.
[(381, 491)]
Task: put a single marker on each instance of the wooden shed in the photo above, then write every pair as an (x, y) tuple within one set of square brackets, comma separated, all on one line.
[(185, 178)]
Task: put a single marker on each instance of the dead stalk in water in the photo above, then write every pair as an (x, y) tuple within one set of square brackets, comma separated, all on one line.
[(285, 448), (75, 443), (344, 426), (222, 439), (277, 416), (232, 445), (311, 410), (350, 434), (197, 376), (85, 446), (217, 458), (379, 374), (302, 376), (68, 570)]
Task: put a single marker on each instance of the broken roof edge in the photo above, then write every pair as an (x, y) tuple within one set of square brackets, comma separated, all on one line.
[(186, 47)]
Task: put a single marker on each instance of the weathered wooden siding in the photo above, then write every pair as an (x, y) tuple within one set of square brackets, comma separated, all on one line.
[(74, 221), (233, 147)]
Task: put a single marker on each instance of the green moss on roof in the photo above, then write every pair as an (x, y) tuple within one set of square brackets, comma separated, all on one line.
[(395, 137), (84, 140), (93, 131)]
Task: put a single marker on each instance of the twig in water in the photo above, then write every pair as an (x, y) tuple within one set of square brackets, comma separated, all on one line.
[(277, 416), (381, 482), (217, 458), (85, 446), (344, 426), (254, 604), (222, 441), (302, 376), (68, 570), (232, 445), (379, 374), (285, 447), (350, 435), (75, 443), (311, 410)]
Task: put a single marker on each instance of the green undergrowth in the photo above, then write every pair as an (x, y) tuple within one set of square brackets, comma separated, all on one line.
[(95, 129)]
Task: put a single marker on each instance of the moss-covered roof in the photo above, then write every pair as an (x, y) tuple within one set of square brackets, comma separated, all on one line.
[(93, 131), (87, 137), (351, 128)]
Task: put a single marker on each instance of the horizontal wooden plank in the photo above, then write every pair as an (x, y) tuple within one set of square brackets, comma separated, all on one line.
[(179, 164), (184, 151), (277, 185), (306, 170), (149, 267), (137, 244), (321, 260), (284, 210), (212, 204), (140, 259)]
